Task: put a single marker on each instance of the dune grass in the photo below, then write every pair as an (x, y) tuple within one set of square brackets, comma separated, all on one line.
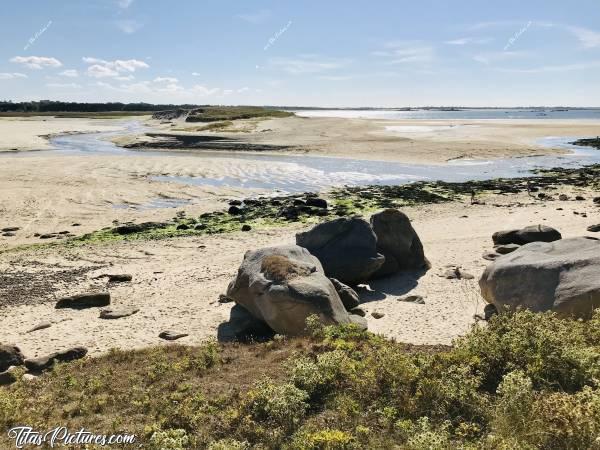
[(525, 381), (222, 113)]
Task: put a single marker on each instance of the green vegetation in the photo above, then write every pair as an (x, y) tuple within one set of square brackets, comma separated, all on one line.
[(49, 106), (213, 126), (526, 380), (220, 113)]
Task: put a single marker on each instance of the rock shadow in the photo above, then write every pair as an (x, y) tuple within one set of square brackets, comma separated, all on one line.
[(398, 284)]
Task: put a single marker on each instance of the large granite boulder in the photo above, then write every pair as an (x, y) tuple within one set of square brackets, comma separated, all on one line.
[(533, 233), (284, 285), (561, 276), (346, 247), (398, 242)]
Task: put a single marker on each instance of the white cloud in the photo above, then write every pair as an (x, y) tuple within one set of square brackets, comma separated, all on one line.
[(125, 78), (36, 62), (308, 64), (256, 17), (100, 68), (70, 73), (587, 38), (64, 85), (556, 68), (11, 76), (204, 91), (403, 52), (468, 40), (165, 80), (124, 4), (242, 90), (129, 26), (98, 71), (196, 74)]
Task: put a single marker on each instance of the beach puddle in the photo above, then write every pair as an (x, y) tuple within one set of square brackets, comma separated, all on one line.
[(157, 203)]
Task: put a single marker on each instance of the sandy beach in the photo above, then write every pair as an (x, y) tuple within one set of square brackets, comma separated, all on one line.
[(177, 282), (409, 141), (31, 133)]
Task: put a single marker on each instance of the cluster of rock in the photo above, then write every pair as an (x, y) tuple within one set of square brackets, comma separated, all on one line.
[(11, 356), (538, 270), (278, 288)]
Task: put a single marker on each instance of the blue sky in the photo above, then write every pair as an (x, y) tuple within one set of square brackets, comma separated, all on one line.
[(321, 53)]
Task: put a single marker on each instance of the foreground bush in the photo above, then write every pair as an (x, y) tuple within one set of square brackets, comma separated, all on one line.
[(526, 381)]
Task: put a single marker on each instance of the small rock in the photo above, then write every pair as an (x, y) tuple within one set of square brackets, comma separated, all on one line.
[(491, 256), (377, 315), (200, 226), (81, 301), (224, 299), (316, 202), (171, 335), (358, 312), (71, 354), (348, 296), (457, 274), (41, 363), (8, 234), (47, 236), (10, 355), (235, 203), (489, 311), (235, 210), (563, 197), (119, 277), (29, 377), (8, 376), (40, 326), (76, 225), (594, 228), (110, 313), (246, 227), (419, 300), (10, 229), (596, 200), (580, 198), (506, 248)]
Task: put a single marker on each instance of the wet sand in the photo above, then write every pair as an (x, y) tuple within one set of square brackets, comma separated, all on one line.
[(410, 141)]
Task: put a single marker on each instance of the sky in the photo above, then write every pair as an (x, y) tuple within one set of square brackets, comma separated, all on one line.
[(326, 53)]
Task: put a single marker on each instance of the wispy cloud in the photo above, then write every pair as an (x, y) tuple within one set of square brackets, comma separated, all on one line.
[(588, 38), (64, 85), (100, 68), (124, 4), (555, 68), (403, 52), (11, 76), (70, 73), (255, 17), (468, 40), (129, 26), (36, 62), (308, 64)]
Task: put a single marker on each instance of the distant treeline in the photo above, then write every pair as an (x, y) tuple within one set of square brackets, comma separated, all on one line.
[(44, 106)]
